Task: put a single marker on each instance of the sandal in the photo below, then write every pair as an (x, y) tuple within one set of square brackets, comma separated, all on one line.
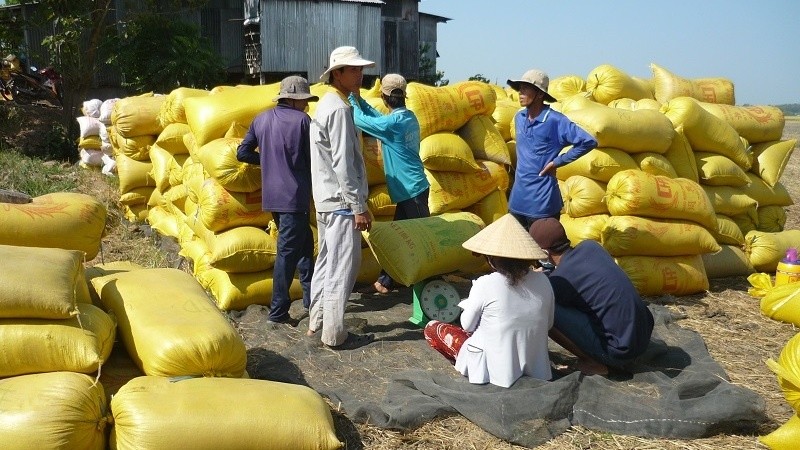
[(353, 341)]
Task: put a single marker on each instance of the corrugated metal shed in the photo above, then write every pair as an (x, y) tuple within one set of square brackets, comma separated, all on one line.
[(297, 37)]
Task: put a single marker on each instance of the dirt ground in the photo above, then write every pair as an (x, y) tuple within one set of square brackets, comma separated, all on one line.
[(738, 336)]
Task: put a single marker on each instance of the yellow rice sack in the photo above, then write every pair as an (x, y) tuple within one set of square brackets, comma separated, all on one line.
[(90, 142), (220, 209), (163, 222), (731, 201), (706, 132), (784, 437), (160, 414), (668, 86), (79, 344), (59, 282), (632, 236), (135, 116), (136, 196), (369, 270), (58, 410), (771, 158), (457, 190), (133, 174), (765, 250), (566, 86), (584, 196), (218, 158), (504, 112), (448, 108), (754, 123), (371, 149), (727, 232), (99, 270), (730, 261), (655, 164), (416, 249), (766, 195), (782, 303), (211, 116), (607, 83), (636, 193), (171, 138), (512, 152), (448, 152), (637, 131), (491, 207), (771, 219), (787, 367), (65, 220), (239, 249), (485, 141), (169, 326), (165, 164), (747, 222), (238, 290), (681, 156), (379, 202), (172, 110), (659, 275), (599, 164), (718, 170), (135, 147), (582, 228), (633, 105)]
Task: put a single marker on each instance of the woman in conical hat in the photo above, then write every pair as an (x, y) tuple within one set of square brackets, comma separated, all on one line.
[(506, 318)]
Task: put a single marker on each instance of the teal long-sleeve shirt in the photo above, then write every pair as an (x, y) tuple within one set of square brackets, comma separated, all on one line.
[(399, 134)]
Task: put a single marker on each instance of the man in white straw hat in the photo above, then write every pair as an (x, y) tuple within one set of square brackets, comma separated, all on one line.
[(541, 134), (281, 134), (599, 315), (399, 134), (508, 313), (340, 198)]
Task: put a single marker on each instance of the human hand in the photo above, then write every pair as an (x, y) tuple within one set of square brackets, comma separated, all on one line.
[(548, 169), (363, 221)]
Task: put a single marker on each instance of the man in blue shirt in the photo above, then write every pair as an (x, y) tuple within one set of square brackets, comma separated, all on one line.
[(399, 134), (599, 316), (282, 136), (541, 134)]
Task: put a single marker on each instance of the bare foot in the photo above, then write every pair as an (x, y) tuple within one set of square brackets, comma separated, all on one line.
[(379, 288), (590, 367), (310, 333)]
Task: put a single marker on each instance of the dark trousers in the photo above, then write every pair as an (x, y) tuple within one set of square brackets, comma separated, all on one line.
[(295, 252), (413, 208)]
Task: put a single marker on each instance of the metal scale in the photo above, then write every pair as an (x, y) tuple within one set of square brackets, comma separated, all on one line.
[(434, 299)]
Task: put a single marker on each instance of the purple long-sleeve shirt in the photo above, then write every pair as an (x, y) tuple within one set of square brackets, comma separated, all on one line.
[(281, 134)]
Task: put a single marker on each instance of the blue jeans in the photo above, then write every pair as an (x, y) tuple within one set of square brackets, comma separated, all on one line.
[(413, 208), (295, 252), (585, 334)]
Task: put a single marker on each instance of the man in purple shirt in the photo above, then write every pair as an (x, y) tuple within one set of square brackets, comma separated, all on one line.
[(541, 135), (282, 136)]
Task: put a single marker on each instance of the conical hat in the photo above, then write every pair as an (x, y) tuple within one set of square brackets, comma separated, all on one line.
[(505, 237)]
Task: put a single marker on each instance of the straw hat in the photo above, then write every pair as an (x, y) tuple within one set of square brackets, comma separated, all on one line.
[(295, 87), (538, 79), (505, 237), (343, 57)]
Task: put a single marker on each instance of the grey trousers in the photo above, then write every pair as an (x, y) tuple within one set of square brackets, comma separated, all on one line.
[(338, 262)]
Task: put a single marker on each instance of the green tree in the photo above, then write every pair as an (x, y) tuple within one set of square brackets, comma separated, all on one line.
[(479, 77), (427, 68), (159, 54)]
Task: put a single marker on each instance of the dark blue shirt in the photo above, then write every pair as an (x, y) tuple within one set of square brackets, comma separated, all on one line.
[(588, 279), (281, 134), (540, 141)]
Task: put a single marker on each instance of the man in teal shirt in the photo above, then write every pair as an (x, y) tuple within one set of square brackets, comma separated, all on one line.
[(398, 132)]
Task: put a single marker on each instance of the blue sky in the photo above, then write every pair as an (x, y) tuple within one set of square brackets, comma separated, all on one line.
[(755, 44)]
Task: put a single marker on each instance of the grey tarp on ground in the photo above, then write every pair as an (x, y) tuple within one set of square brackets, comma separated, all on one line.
[(676, 390)]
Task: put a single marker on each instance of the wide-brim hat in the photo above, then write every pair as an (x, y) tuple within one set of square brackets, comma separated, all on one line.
[(343, 57), (506, 238), (538, 79), (295, 87)]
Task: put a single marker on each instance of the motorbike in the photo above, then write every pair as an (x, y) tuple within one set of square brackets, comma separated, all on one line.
[(26, 88)]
